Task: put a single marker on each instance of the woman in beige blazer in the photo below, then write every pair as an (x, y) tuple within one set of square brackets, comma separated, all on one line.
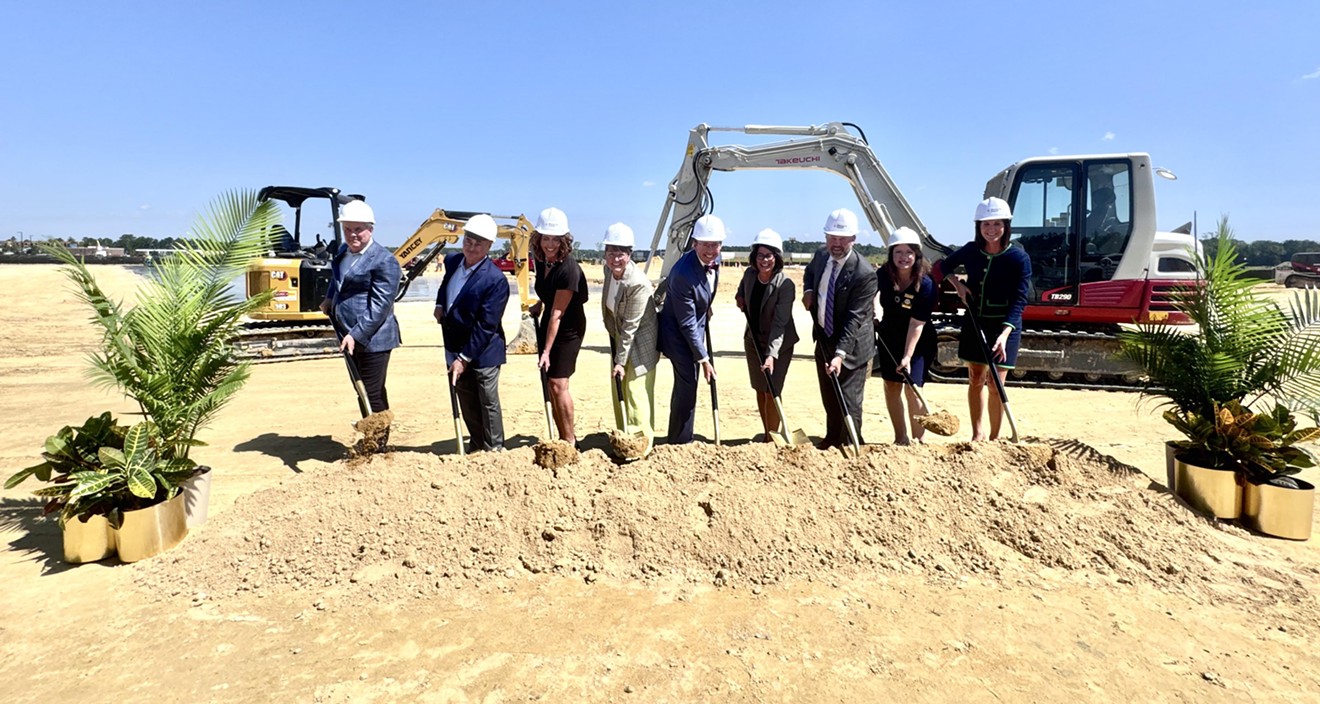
[(766, 296), (628, 308)]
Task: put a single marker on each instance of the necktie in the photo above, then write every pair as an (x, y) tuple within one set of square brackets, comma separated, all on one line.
[(829, 301)]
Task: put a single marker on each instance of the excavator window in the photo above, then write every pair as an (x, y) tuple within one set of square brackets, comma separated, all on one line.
[(1043, 226), (1108, 219)]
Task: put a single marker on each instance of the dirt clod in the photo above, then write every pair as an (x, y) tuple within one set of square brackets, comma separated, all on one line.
[(940, 423), (554, 454), (375, 430), (627, 445)]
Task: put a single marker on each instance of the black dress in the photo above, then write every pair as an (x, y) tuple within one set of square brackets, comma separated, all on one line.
[(916, 302), (550, 279)]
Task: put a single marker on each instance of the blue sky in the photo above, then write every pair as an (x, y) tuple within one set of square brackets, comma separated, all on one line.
[(131, 116)]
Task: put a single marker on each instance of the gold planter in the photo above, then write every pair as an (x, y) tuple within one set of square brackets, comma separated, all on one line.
[(1279, 510), (1213, 492), (152, 530), (88, 542)]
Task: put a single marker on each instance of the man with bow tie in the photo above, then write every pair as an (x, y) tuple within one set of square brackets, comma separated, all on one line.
[(684, 318)]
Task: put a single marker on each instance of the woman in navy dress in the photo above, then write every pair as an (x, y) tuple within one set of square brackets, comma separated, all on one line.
[(998, 281)]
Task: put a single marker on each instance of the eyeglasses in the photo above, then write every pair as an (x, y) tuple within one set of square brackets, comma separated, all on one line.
[(615, 253), (765, 255)]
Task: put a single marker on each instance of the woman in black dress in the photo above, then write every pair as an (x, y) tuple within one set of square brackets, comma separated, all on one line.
[(906, 296), (561, 313)]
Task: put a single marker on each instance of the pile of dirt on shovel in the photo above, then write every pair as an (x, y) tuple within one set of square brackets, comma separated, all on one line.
[(413, 524)]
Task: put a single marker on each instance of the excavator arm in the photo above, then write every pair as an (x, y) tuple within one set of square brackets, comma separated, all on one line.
[(828, 147), (444, 228)]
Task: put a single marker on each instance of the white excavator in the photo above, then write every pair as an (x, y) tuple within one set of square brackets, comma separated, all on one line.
[(1087, 222)]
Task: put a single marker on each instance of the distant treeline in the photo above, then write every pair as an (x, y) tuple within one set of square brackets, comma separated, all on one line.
[(1256, 253)]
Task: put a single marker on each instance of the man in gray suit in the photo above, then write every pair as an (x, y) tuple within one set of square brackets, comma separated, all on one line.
[(361, 302), (839, 290)]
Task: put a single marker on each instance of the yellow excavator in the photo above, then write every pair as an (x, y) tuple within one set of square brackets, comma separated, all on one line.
[(291, 325)]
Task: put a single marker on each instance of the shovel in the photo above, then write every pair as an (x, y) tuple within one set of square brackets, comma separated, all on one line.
[(623, 442), (941, 423), (714, 396), (847, 417), (373, 426), (458, 414), (549, 413), (994, 369), (783, 437), (364, 403)]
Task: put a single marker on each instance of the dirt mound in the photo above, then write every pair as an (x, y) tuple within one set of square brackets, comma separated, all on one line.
[(411, 524), (554, 454)]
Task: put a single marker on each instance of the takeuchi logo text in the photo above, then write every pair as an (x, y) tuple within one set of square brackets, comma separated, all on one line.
[(798, 160)]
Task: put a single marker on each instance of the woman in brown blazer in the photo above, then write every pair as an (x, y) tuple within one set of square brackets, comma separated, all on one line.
[(766, 296), (628, 308)]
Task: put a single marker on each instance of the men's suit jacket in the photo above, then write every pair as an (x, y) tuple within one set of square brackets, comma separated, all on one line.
[(363, 297), (854, 308), (633, 323), (472, 326), (683, 317)]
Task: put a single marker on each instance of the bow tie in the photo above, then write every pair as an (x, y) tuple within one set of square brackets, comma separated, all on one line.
[(713, 266)]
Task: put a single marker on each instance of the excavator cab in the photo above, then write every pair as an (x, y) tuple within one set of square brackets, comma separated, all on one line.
[(298, 274), (1088, 224)]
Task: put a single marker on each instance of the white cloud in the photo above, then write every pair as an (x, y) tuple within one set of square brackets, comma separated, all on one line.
[(648, 184), (1054, 150), (1311, 75), (1109, 137), (144, 207)]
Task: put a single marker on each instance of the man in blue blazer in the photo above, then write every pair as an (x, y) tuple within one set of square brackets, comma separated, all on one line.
[(365, 278), (469, 308), (684, 318)]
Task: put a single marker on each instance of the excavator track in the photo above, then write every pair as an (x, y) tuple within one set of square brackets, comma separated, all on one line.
[(1043, 354), (263, 341)]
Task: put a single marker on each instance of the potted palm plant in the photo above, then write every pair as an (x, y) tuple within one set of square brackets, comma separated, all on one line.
[(1234, 387), (171, 352)]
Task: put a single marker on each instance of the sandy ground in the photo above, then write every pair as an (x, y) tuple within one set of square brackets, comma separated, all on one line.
[(1231, 619)]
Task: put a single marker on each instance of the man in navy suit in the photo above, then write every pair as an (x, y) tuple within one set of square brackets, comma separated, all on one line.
[(365, 278), (684, 318), (839, 289), (469, 308)]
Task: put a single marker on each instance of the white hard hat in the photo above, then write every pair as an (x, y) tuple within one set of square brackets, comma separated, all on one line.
[(905, 235), (769, 238), (618, 235), (842, 222), (357, 211), (993, 209), (708, 228), (482, 226), (552, 222)]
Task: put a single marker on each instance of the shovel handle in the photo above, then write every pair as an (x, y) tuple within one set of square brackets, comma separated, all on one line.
[(549, 411), (907, 378), (847, 417), (714, 395), (458, 414), (994, 369), (364, 403), (770, 384)]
